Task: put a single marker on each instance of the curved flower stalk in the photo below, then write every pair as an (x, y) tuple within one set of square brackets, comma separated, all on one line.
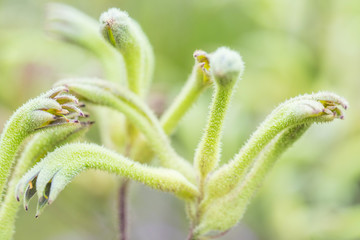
[(75, 27), (42, 143), (306, 109), (126, 35), (52, 174), (49, 109), (226, 67), (102, 93), (199, 80)]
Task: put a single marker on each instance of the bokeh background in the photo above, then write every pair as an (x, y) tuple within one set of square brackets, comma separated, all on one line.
[(290, 47)]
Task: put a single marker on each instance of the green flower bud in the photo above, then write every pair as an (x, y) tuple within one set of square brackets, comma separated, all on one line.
[(127, 37), (226, 66)]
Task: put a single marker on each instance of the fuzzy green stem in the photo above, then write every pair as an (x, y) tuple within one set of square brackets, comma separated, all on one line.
[(188, 95), (207, 155), (9, 144), (226, 66)]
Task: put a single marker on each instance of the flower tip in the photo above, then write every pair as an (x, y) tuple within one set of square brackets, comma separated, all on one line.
[(113, 24), (202, 57), (226, 65), (113, 16), (199, 54), (56, 91)]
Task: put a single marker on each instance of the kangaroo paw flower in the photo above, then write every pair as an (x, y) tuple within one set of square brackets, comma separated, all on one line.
[(54, 108), (57, 169)]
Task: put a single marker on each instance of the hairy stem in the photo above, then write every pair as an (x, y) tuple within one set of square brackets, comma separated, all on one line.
[(207, 155), (9, 144), (195, 85)]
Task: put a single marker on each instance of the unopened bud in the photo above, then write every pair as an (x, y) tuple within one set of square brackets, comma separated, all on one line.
[(127, 37), (226, 65)]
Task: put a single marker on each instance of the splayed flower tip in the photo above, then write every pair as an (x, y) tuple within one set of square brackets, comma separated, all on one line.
[(65, 108), (203, 62)]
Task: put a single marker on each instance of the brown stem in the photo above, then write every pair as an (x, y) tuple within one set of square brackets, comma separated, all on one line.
[(191, 234), (122, 206), (123, 190)]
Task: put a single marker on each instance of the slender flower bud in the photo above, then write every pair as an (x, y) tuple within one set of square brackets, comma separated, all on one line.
[(202, 67), (226, 66), (127, 37), (52, 174), (306, 109), (198, 81)]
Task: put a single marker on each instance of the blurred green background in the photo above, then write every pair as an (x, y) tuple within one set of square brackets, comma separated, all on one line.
[(290, 47)]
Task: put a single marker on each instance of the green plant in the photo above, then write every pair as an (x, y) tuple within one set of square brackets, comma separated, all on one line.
[(215, 196)]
